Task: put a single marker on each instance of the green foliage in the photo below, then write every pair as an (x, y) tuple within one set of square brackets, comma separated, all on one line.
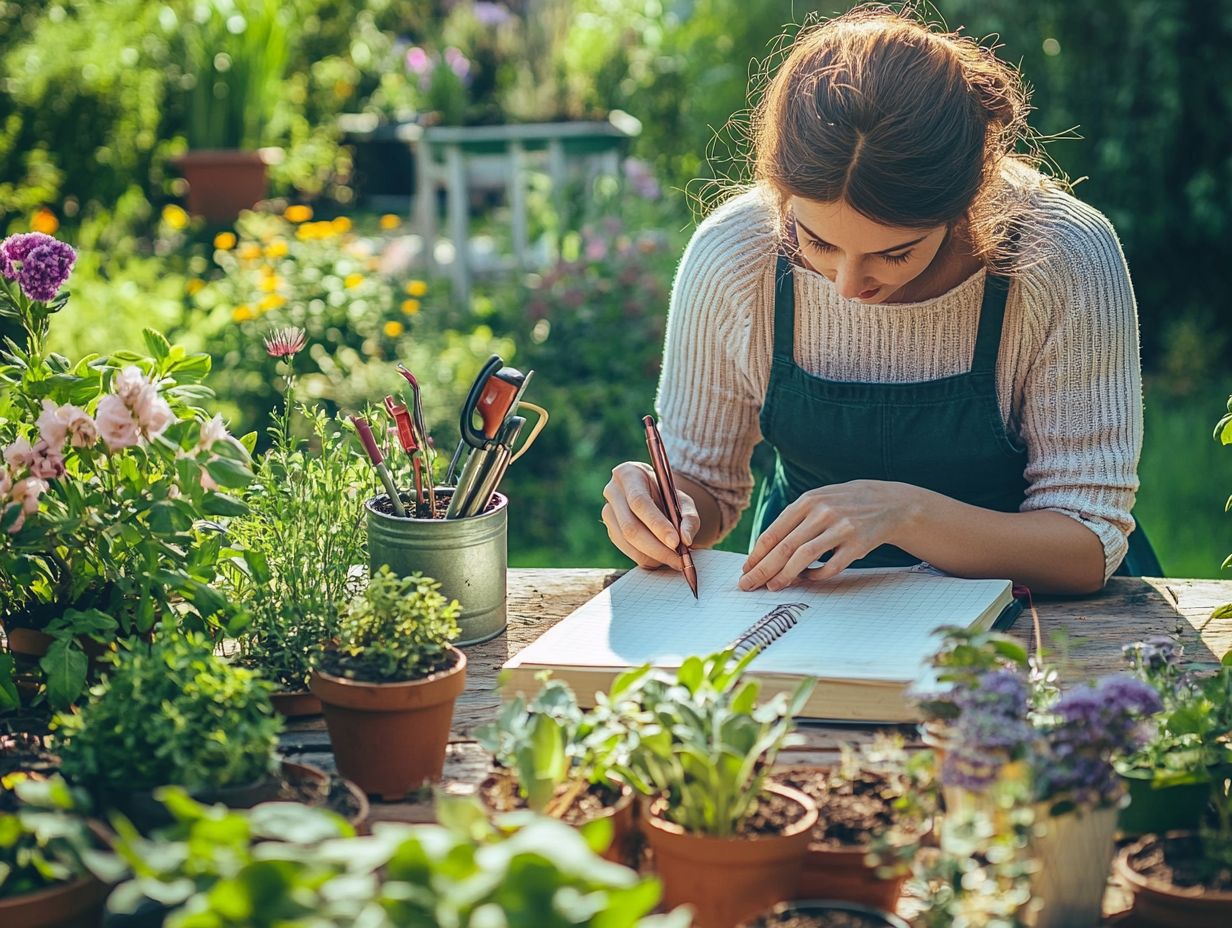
[(1223, 434), (170, 713), (700, 740), (44, 842), (399, 628), (532, 872)]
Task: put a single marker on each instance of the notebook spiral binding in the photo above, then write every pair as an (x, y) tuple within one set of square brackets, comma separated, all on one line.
[(769, 628)]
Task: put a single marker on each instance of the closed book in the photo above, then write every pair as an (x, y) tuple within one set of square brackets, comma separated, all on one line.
[(865, 635)]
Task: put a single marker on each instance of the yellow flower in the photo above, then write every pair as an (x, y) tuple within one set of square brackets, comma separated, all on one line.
[(416, 288), (298, 213), (410, 307), (341, 224), (351, 281), (269, 283), (393, 329), (224, 241), (175, 216), (45, 221), (390, 221), (242, 313), (273, 301), (194, 286), (250, 251), (278, 248)]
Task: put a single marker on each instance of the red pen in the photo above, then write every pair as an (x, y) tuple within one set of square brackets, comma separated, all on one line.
[(671, 503)]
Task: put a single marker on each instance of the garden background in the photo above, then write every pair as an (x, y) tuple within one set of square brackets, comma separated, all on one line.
[(96, 103)]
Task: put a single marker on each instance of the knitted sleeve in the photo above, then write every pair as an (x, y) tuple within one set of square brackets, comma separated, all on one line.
[(1082, 396), (708, 400)]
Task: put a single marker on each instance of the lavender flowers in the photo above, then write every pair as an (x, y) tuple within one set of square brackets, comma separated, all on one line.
[(38, 262), (991, 729)]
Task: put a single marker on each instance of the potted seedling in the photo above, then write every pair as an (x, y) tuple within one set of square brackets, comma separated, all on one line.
[(873, 810), (824, 913), (171, 713), (47, 863), (389, 684), (699, 747), (300, 541), (1170, 779), (552, 757)]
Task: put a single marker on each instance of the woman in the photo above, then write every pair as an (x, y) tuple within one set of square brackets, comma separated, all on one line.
[(940, 345)]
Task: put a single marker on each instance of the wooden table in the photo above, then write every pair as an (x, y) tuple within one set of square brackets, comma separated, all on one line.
[(1096, 626)]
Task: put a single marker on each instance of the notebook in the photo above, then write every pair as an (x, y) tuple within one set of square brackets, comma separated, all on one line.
[(866, 634)]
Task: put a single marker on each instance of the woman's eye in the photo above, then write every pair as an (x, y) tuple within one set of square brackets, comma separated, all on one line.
[(819, 245), (897, 259)]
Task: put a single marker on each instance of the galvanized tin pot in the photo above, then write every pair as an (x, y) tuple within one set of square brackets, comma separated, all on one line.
[(468, 556)]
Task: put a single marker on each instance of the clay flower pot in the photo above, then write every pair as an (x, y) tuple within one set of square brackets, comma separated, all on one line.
[(1158, 902), (390, 738), (824, 913), (729, 880), (296, 774), (78, 904), (222, 182), (293, 705), (621, 813)]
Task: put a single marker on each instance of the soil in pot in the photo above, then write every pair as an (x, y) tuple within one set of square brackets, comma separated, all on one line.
[(850, 815), (415, 510), (1170, 885), (824, 914), (312, 786), (499, 793), (730, 879)]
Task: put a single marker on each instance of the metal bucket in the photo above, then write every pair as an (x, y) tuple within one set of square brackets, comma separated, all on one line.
[(468, 556)]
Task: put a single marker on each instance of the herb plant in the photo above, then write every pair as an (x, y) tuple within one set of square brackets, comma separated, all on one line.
[(701, 740), (170, 713), (399, 628), (300, 539)]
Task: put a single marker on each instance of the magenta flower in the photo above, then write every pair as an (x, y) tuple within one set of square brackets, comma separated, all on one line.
[(285, 343), (417, 60)]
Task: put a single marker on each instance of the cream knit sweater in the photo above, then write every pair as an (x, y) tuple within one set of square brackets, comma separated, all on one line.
[(1068, 375)]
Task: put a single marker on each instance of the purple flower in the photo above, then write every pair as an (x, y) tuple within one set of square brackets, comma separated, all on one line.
[(490, 14), (991, 730), (458, 63), (1154, 654), (45, 269), (417, 61), (16, 247), (7, 267)]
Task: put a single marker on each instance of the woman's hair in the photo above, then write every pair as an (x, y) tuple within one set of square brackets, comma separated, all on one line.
[(910, 125)]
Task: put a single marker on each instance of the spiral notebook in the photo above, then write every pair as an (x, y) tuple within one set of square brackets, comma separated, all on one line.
[(865, 635)]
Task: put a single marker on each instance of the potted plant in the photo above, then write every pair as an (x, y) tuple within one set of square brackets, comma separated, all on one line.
[(824, 913), (1170, 778), (389, 684), (873, 810), (553, 758), (300, 540), (699, 747), (114, 485), (47, 862), (171, 713), (235, 55)]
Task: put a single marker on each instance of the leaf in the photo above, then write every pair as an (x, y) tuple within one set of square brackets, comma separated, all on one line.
[(228, 473), (65, 664), (166, 518), (1223, 612), (156, 342), (219, 504), (258, 566), (8, 688)]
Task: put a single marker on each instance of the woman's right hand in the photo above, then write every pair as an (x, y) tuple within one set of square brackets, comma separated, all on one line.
[(636, 523)]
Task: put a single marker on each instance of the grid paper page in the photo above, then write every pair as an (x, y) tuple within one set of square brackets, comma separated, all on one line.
[(867, 624)]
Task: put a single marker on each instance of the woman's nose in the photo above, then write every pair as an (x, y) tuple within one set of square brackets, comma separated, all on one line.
[(849, 279)]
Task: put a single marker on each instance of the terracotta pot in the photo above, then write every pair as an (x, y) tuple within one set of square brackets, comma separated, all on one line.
[(1153, 810), (390, 738), (728, 880), (296, 705), (624, 823), (298, 773), (78, 904), (846, 913), (1160, 903), (222, 182), (30, 642), (841, 873)]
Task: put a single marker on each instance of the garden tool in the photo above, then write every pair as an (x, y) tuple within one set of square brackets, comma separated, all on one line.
[(378, 463), (406, 438)]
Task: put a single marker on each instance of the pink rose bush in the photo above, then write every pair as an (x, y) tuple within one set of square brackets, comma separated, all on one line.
[(115, 486)]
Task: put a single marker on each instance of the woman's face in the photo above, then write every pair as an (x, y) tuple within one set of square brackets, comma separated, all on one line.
[(865, 260)]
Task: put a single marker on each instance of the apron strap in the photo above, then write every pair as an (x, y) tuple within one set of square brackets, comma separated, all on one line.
[(992, 314), (784, 310)]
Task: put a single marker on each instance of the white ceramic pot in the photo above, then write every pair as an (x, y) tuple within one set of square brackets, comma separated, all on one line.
[(1074, 853)]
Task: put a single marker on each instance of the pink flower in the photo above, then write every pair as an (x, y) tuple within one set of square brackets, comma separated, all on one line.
[(58, 422), (26, 493), (81, 430), (48, 463), (154, 415), (417, 60), (142, 402), (214, 431), (285, 343), (6, 482), (52, 429), (115, 423), (129, 385), (19, 455)]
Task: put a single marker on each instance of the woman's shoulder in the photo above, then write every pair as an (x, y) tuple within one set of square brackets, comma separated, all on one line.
[(736, 241), (1065, 240)]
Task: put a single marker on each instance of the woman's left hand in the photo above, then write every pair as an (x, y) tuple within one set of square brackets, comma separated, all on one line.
[(848, 519)]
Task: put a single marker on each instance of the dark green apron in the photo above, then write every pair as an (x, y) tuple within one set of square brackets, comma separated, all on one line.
[(945, 435)]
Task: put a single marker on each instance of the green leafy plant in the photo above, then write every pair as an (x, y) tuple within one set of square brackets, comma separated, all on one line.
[(45, 842), (300, 539), (398, 628), (1223, 435), (170, 713), (114, 480), (530, 872), (700, 740)]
